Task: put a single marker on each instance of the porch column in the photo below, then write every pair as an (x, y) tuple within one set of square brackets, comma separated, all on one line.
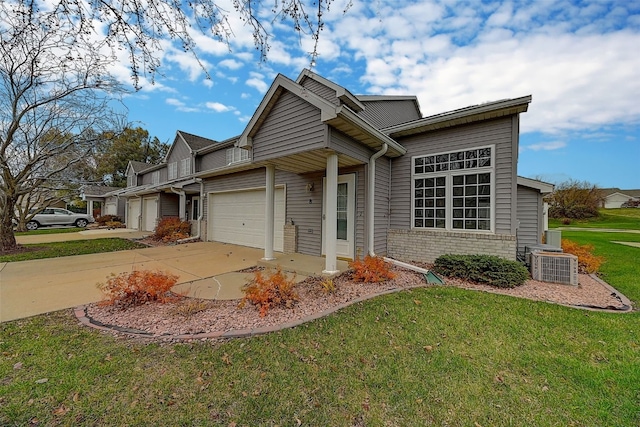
[(90, 207), (331, 203), (269, 214), (182, 206)]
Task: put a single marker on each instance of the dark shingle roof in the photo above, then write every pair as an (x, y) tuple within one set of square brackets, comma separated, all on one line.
[(139, 166), (97, 190), (196, 142)]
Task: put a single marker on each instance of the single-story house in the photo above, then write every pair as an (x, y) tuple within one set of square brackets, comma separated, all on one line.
[(614, 198), (321, 171)]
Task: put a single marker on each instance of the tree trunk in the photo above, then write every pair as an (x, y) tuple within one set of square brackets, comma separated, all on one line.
[(7, 238)]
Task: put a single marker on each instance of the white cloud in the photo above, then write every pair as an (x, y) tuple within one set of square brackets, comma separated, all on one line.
[(257, 82), (218, 107), (544, 146), (181, 106), (231, 64)]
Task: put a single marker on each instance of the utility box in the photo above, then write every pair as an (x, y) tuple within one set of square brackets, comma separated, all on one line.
[(553, 238)]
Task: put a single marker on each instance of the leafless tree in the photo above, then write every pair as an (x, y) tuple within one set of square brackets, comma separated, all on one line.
[(54, 102), (139, 27)]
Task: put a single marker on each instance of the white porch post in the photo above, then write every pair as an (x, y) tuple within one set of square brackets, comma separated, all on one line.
[(269, 214), (182, 206), (331, 203), (90, 207)]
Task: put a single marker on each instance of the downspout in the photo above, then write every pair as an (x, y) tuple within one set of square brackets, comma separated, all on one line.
[(200, 215), (371, 196)]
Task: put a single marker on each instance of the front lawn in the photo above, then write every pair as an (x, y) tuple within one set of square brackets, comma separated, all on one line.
[(628, 219), (73, 247), (44, 230), (433, 356)]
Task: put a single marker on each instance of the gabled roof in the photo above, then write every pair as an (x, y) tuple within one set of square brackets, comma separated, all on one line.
[(382, 98), (340, 117), (541, 186), (195, 142), (630, 193), (342, 93), (489, 110), (139, 166)]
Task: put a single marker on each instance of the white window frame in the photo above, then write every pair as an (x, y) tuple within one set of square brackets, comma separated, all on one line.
[(155, 177), (444, 170), (236, 155), (172, 171), (185, 167), (131, 180)]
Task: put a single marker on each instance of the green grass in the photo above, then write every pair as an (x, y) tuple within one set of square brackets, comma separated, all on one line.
[(49, 231), (74, 247), (624, 219), (434, 356)]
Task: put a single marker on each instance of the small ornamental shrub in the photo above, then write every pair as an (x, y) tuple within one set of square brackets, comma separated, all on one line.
[(269, 290), (371, 269), (134, 288), (587, 261), (566, 221), (105, 219), (172, 229), (114, 224), (328, 286), (486, 269)]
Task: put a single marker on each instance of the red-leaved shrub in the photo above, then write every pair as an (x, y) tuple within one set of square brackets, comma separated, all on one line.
[(587, 261), (171, 229), (371, 269), (269, 290), (138, 287)]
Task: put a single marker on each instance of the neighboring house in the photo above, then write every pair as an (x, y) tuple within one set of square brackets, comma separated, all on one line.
[(386, 179), (110, 203), (614, 198)]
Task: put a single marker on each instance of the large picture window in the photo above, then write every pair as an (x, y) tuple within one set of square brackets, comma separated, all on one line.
[(454, 191)]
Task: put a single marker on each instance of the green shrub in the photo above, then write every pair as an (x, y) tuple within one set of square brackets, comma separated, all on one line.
[(486, 269)]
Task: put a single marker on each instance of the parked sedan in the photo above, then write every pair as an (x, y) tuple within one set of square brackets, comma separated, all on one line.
[(58, 216)]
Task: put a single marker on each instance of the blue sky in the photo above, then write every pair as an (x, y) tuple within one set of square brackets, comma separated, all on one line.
[(580, 61)]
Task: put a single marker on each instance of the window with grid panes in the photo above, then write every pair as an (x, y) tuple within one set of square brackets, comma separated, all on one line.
[(454, 190)]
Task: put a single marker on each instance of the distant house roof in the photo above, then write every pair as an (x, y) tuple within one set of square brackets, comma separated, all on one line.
[(97, 190), (630, 193), (196, 142)]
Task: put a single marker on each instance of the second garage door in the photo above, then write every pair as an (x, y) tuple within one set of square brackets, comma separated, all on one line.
[(238, 217)]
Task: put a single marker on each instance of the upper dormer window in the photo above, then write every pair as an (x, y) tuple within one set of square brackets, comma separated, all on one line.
[(185, 166), (236, 154), (131, 180), (155, 177), (172, 170)]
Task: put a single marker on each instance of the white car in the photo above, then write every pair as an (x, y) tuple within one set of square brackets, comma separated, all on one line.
[(58, 216)]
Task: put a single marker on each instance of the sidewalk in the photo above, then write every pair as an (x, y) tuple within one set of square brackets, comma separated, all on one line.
[(98, 233)]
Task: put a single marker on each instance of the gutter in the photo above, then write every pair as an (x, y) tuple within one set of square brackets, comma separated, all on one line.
[(371, 197)]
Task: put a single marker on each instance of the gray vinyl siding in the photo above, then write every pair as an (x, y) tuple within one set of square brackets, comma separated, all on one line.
[(382, 195), (292, 126), (344, 144), (529, 214), (304, 209), (382, 114), (321, 90), (179, 151), (169, 205), (211, 161), (494, 132), (147, 177)]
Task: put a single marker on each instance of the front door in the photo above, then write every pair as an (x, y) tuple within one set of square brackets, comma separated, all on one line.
[(345, 224)]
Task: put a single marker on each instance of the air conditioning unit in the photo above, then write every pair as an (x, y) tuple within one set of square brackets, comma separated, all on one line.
[(554, 267)]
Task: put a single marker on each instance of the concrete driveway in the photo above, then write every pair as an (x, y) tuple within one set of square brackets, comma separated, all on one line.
[(29, 288)]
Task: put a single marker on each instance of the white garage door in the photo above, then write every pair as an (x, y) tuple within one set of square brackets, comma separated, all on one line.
[(150, 213), (238, 217), (133, 213)]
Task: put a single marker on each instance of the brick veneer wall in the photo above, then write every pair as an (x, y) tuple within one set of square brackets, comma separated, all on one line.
[(426, 245), (290, 244)]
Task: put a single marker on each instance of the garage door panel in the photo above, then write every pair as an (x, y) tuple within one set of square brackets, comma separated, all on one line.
[(238, 218)]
